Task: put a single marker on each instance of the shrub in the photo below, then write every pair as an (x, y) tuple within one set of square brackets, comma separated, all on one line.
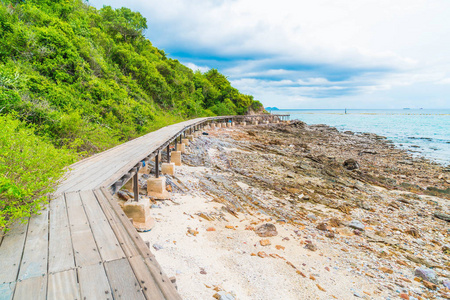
[(30, 168)]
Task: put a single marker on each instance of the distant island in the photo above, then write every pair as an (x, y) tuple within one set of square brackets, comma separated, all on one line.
[(272, 108)]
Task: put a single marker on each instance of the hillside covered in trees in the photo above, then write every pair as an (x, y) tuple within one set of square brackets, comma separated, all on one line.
[(89, 79), (76, 80)]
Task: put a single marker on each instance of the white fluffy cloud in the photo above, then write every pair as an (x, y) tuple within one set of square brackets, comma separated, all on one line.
[(294, 53)]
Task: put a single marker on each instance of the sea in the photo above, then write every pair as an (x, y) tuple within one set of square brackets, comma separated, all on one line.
[(422, 132)]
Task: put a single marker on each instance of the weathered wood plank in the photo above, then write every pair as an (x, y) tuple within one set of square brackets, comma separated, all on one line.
[(159, 276), (123, 282), (63, 286), (145, 278), (86, 252), (7, 290), (61, 256), (104, 236), (35, 259), (94, 283), (124, 239), (32, 288), (11, 252)]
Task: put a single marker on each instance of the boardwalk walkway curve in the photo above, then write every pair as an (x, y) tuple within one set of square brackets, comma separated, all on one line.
[(82, 245)]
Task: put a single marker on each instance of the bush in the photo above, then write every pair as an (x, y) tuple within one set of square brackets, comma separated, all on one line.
[(30, 168)]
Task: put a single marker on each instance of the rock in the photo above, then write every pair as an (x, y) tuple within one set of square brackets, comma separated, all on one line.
[(386, 270), (442, 216), (124, 195), (265, 242), (322, 226), (446, 283), (262, 254), (157, 247), (413, 232), (404, 296), (330, 235), (334, 222), (351, 164), (320, 288), (311, 247), (429, 285), (210, 229), (192, 232), (222, 295), (446, 249), (426, 274), (230, 227), (266, 230), (356, 225), (279, 247), (311, 217)]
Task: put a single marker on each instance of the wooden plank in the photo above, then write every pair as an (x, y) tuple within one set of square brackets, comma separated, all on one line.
[(35, 259), (123, 282), (134, 235), (167, 288), (124, 239), (32, 288), (104, 236), (60, 250), (85, 249), (160, 277), (7, 290), (11, 252), (63, 286), (94, 283), (146, 281)]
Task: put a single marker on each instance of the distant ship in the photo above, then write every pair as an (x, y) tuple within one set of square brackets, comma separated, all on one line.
[(406, 108)]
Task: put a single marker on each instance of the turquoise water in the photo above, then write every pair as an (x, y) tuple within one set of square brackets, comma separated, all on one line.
[(423, 132)]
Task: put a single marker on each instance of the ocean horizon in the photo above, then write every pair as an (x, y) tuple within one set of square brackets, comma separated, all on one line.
[(422, 132)]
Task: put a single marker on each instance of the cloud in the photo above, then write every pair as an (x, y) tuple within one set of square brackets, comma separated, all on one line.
[(291, 50)]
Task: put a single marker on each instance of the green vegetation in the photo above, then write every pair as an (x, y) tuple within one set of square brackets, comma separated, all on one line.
[(86, 80), (29, 166)]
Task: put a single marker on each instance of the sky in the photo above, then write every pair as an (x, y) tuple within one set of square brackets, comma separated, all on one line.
[(311, 54)]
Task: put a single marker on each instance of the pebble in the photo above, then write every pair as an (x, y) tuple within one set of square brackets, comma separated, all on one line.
[(426, 274), (356, 225), (266, 230), (311, 217), (311, 247), (157, 247)]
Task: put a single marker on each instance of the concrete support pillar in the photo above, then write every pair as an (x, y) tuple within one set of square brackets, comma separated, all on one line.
[(244, 123), (144, 169), (233, 124), (175, 157), (156, 188), (139, 212), (168, 168), (213, 125), (190, 137), (228, 124), (182, 148), (185, 142)]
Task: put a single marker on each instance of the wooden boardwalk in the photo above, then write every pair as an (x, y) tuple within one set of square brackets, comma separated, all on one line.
[(82, 245)]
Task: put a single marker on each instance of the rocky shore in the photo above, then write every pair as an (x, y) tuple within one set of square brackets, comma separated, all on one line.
[(291, 211)]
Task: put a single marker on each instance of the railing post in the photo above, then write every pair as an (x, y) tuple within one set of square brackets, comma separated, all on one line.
[(157, 165), (136, 186), (168, 153), (176, 144)]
